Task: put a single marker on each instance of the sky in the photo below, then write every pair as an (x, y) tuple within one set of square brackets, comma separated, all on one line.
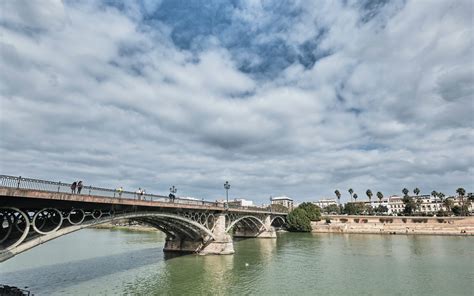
[(295, 98)]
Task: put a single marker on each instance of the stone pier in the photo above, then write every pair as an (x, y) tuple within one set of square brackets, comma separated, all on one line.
[(221, 244), (265, 231)]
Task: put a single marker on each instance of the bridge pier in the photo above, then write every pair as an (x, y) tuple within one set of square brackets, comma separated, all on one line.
[(221, 244)]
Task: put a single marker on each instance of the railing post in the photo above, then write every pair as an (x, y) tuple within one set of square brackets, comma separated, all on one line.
[(19, 180)]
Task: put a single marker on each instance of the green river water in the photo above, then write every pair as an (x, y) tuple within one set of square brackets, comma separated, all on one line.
[(106, 262)]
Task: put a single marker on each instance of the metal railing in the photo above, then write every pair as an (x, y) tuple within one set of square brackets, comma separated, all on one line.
[(61, 187)]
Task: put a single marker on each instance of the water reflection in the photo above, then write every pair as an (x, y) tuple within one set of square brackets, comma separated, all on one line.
[(293, 264), (58, 276)]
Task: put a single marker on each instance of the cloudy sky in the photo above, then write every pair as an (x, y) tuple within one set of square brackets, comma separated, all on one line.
[(278, 97)]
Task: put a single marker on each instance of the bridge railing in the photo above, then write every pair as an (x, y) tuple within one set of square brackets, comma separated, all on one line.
[(52, 186)]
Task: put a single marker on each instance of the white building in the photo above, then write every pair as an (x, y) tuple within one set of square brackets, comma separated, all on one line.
[(241, 202), (322, 203), (283, 200)]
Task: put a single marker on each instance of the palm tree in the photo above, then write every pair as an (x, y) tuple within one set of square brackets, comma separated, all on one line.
[(380, 196), (416, 191), (369, 195), (338, 195), (355, 196), (461, 192), (350, 192), (405, 192), (441, 196), (434, 194)]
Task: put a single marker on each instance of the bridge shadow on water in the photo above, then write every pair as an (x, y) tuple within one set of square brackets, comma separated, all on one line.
[(76, 272)]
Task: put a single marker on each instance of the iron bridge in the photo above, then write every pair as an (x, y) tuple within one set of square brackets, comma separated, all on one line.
[(34, 211)]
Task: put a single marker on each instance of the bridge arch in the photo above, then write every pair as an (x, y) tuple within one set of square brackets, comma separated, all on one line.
[(252, 219), (172, 225), (277, 218)]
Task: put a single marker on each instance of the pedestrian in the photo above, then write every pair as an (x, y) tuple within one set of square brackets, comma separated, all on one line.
[(79, 187), (120, 190), (203, 201), (73, 187), (138, 192), (142, 193)]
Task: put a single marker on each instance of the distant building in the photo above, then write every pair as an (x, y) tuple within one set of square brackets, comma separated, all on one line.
[(240, 202), (322, 203), (283, 200)]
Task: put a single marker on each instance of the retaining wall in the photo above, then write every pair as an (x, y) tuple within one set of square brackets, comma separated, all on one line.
[(395, 225)]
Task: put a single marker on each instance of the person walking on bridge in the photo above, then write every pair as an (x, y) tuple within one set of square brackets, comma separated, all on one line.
[(138, 193), (73, 187), (120, 190), (79, 187)]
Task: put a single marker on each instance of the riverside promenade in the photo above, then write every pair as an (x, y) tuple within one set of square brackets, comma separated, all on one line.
[(463, 226)]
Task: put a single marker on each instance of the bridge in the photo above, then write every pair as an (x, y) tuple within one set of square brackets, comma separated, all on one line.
[(34, 211)]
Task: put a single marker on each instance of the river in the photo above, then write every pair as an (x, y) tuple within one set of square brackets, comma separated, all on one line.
[(108, 262)]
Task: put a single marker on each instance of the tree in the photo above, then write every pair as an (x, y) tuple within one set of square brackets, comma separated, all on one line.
[(448, 204), (459, 210), (416, 191), (441, 196), (410, 205), (461, 192), (369, 194), (338, 195), (355, 196), (332, 209), (434, 194), (353, 208), (299, 221), (405, 192), (312, 211), (381, 209), (350, 192), (380, 196)]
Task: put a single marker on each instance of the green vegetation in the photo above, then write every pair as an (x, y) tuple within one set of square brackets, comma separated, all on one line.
[(299, 219), (332, 209), (353, 209), (279, 208), (410, 205), (350, 192), (338, 195), (369, 194)]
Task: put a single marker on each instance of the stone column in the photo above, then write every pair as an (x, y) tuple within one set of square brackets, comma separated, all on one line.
[(269, 230), (222, 243)]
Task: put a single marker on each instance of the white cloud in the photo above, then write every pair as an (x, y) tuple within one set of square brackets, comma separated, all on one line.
[(97, 93)]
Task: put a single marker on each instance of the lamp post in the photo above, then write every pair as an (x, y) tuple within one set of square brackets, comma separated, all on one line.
[(173, 190), (227, 187)]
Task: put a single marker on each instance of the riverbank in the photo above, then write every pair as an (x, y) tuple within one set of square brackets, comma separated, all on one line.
[(460, 226)]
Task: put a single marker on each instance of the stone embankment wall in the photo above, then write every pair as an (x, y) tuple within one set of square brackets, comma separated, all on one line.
[(395, 225)]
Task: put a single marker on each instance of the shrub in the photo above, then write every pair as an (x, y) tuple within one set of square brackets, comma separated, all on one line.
[(356, 220), (298, 221), (312, 211)]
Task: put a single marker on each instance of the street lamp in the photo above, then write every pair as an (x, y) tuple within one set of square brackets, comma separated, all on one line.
[(227, 187), (173, 191)]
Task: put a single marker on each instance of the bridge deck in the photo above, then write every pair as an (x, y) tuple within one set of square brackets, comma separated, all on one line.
[(10, 193)]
